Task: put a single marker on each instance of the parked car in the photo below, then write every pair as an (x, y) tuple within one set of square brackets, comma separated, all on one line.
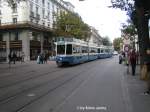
[(115, 53)]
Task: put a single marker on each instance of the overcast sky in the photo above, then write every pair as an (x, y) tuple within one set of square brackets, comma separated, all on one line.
[(96, 13)]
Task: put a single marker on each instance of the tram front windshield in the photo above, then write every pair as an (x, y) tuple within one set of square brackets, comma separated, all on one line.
[(60, 49)]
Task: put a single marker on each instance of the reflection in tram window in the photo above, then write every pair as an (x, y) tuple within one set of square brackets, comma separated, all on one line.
[(69, 49), (84, 49), (76, 49), (60, 49)]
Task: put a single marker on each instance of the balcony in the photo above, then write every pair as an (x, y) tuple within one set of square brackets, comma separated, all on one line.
[(2, 44), (16, 44)]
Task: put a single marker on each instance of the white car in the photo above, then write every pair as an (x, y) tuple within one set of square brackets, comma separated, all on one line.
[(115, 53)]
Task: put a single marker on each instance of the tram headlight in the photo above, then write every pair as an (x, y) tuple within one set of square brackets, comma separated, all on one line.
[(60, 59)]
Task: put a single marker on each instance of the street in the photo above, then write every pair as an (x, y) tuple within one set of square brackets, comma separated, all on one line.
[(96, 86)]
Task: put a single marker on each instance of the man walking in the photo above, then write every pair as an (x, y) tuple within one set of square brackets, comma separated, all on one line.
[(132, 57), (14, 57)]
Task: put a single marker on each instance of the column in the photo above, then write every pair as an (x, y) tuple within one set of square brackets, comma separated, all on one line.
[(7, 37), (25, 37), (41, 40)]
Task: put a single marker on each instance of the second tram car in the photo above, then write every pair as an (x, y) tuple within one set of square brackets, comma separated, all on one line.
[(73, 51)]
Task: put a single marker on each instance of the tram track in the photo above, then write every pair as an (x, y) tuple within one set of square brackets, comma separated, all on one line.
[(20, 71), (27, 77), (6, 99), (48, 91)]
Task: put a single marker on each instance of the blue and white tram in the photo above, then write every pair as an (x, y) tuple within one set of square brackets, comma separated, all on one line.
[(76, 51)]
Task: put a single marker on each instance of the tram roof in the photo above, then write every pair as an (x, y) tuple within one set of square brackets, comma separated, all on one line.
[(72, 41), (75, 41)]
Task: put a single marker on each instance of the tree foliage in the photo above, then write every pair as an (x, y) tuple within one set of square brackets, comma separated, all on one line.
[(126, 5), (116, 43), (106, 41), (71, 24), (129, 30)]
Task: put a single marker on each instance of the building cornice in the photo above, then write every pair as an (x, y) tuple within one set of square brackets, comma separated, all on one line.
[(24, 25)]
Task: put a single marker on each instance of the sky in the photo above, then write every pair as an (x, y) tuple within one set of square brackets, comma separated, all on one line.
[(97, 14)]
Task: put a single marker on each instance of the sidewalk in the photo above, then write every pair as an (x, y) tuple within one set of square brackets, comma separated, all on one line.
[(136, 88), (18, 64)]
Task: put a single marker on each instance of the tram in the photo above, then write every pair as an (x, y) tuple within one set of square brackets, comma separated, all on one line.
[(71, 51)]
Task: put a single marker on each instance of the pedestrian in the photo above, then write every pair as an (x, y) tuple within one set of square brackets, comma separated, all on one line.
[(14, 57), (120, 58), (22, 56), (132, 57), (148, 85), (46, 57), (9, 58), (38, 59), (41, 58)]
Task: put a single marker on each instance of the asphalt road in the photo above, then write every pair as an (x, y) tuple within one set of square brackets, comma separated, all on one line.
[(96, 86)]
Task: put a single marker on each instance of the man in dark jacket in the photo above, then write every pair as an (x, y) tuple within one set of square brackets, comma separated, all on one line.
[(132, 57), (14, 57)]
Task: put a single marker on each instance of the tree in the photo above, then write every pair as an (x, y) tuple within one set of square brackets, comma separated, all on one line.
[(106, 41), (140, 15), (116, 43), (71, 25), (138, 11), (129, 31)]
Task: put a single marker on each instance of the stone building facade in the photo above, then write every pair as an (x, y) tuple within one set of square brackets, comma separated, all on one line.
[(27, 27)]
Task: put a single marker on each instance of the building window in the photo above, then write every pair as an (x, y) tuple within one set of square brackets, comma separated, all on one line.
[(31, 20), (37, 21), (37, 10), (14, 20), (14, 8), (48, 5), (31, 7), (0, 12), (0, 22), (43, 2), (43, 23), (37, 1), (0, 2), (48, 16), (43, 12)]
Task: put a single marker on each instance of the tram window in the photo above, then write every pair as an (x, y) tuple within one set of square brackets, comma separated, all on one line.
[(93, 50), (102, 51), (60, 49), (99, 50), (69, 49), (84, 49)]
